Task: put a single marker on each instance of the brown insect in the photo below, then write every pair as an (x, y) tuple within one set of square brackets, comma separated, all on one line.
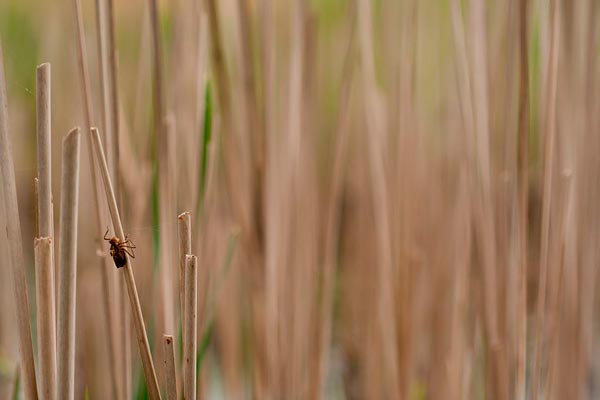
[(120, 249)]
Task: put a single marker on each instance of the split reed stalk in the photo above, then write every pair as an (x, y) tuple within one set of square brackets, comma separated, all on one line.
[(46, 316), (44, 277), (190, 327), (170, 378), (14, 243), (127, 273), (102, 261), (67, 265), (550, 133)]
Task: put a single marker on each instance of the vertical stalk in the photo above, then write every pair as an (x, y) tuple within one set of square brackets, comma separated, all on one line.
[(44, 262), (190, 327), (522, 173), (67, 265), (46, 317), (15, 245), (88, 116), (169, 355), (127, 273), (550, 133), (184, 221)]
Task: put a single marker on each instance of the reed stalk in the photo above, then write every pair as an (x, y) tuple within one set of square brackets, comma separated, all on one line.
[(170, 378), (523, 193), (190, 327), (102, 261), (15, 245), (376, 128), (184, 223), (127, 273), (44, 262), (67, 265), (549, 138), (44, 150), (46, 316)]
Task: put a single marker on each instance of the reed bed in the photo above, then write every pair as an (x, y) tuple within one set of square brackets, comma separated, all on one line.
[(385, 199)]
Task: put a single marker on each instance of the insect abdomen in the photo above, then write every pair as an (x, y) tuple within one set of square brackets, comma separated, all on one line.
[(120, 259)]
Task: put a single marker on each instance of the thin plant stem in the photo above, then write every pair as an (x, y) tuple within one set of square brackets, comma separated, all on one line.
[(46, 316), (67, 265), (522, 174), (44, 149), (45, 293), (184, 221), (190, 327), (127, 273), (550, 129), (170, 378), (15, 245)]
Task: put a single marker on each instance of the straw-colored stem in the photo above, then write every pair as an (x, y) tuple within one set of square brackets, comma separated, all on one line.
[(45, 315), (107, 276), (185, 247), (67, 265), (169, 355), (88, 116), (218, 58), (45, 296), (375, 119), (159, 105), (333, 213), (550, 128), (127, 273), (164, 133), (15, 245), (43, 114), (522, 173), (190, 327), (113, 150)]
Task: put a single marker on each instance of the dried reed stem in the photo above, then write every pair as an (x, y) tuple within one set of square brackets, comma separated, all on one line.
[(113, 150), (333, 212), (46, 316), (127, 273), (185, 247), (159, 104), (88, 116), (169, 355), (522, 174), (190, 327), (550, 129), (375, 119), (44, 150), (166, 179), (15, 246), (67, 265), (44, 262)]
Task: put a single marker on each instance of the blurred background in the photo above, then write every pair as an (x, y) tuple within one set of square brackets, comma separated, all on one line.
[(390, 199)]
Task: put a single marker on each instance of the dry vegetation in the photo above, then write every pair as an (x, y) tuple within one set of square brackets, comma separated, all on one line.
[(337, 199)]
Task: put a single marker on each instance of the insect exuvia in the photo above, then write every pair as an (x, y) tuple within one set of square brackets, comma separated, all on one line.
[(119, 249)]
